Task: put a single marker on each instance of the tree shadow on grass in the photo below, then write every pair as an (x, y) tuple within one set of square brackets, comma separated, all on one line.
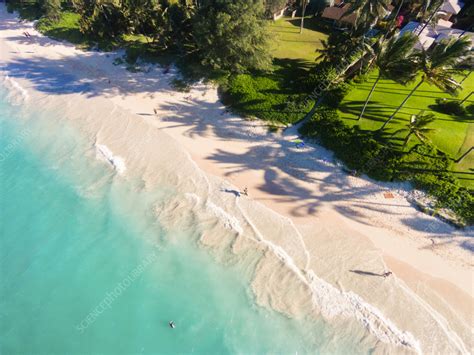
[(313, 24), (375, 111), (291, 70), (386, 87)]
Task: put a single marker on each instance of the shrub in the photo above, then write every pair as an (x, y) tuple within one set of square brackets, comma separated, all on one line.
[(263, 97), (323, 79), (358, 150), (361, 78), (448, 193), (334, 96), (320, 77), (449, 107)]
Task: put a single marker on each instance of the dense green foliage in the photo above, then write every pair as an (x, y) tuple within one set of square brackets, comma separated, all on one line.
[(225, 35), (101, 19), (266, 97), (231, 35)]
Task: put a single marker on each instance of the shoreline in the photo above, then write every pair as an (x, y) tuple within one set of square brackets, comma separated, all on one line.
[(303, 185)]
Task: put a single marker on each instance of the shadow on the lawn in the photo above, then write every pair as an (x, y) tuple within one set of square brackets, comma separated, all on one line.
[(311, 24), (373, 111), (402, 92)]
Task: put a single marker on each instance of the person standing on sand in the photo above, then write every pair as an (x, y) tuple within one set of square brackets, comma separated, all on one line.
[(387, 274), (246, 191)]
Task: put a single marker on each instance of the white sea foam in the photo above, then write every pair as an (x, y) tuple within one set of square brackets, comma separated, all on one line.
[(334, 303), (17, 94), (330, 301), (117, 162), (230, 222)]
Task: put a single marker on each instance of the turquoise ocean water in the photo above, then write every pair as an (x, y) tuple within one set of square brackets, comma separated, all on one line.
[(86, 268)]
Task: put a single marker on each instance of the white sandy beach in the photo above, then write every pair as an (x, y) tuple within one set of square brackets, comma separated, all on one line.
[(335, 229)]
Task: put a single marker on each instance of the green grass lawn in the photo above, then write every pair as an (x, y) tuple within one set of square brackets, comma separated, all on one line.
[(453, 135), (67, 28), (288, 43)]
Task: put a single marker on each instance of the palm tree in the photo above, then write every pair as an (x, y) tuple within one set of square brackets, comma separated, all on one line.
[(417, 127), (303, 10), (429, 14), (368, 11), (395, 61), (338, 45), (438, 65)]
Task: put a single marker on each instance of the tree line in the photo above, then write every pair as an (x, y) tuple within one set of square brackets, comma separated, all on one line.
[(224, 35)]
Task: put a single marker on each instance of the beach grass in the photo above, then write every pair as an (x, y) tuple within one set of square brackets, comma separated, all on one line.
[(453, 135)]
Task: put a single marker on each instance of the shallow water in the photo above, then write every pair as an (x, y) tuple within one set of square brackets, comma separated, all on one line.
[(87, 268)]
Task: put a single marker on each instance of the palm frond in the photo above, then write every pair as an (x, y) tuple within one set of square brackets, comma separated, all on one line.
[(449, 52), (396, 59)]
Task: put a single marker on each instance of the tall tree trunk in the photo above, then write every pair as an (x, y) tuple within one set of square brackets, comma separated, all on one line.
[(429, 20), (403, 103), (368, 97), (302, 16)]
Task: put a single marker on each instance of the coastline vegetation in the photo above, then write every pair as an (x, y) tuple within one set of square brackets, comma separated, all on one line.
[(385, 107)]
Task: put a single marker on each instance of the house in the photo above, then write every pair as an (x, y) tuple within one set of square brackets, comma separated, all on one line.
[(337, 13), (450, 8), (430, 34), (339, 9)]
